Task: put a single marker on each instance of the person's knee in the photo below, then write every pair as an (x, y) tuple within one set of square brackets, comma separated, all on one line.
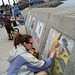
[(44, 73), (41, 73)]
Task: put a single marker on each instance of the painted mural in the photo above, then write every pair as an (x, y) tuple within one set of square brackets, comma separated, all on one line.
[(32, 24), (25, 16), (63, 46), (27, 19), (38, 31)]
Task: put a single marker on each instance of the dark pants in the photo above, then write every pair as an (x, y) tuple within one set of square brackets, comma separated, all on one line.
[(9, 29)]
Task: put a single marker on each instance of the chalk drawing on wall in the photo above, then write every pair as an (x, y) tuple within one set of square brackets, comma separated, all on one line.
[(26, 22), (32, 24), (29, 20), (25, 16), (63, 46), (38, 31)]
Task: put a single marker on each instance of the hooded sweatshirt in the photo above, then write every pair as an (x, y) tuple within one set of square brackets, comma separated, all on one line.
[(22, 62)]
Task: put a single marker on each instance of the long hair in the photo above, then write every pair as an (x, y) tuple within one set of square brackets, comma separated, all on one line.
[(21, 38)]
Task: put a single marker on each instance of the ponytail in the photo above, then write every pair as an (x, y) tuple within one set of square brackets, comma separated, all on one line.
[(21, 38), (17, 40)]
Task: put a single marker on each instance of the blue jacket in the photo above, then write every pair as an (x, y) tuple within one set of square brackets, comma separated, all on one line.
[(22, 62)]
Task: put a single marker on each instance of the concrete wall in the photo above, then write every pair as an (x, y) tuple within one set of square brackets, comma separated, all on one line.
[(61, 19)]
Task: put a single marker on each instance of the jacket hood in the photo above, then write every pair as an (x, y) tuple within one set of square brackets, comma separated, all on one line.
[(15, 52)]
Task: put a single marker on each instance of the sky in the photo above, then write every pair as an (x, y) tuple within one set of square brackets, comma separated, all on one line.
[(68, 3), (6, 2)]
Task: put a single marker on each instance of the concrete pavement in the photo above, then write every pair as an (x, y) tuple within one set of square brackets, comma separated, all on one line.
[(5, 47)]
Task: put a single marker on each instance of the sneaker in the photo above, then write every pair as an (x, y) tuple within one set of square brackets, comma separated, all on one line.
[(9, 39)]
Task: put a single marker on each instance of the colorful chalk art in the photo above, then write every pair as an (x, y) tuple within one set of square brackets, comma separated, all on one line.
[(38, 31), (27, 19), (32, 24), (63, 46)]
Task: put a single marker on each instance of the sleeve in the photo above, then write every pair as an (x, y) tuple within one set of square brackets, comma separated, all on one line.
[(35, 65)]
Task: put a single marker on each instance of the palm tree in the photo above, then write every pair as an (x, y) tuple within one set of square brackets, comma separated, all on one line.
[(14, 2), (19, 1), (3, 5), (9, 2), (9, 6), (3, 2)]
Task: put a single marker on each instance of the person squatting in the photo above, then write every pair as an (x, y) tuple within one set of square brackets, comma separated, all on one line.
[(22, 62)]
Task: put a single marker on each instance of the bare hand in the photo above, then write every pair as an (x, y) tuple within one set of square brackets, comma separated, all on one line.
[(52, 53)]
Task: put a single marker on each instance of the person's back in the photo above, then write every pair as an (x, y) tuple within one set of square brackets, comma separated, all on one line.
[(17, 62), (7, 22), (16, 10), (22, 61)]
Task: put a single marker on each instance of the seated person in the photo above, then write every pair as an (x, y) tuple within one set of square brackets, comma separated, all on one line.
[(20, 16)]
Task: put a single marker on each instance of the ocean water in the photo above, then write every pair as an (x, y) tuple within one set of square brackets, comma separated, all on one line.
[(67, 3)]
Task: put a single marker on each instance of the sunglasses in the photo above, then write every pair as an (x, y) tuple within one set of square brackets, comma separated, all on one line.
[(30, 43)]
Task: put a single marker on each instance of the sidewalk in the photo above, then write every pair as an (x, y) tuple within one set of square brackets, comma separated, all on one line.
[(5, 47)]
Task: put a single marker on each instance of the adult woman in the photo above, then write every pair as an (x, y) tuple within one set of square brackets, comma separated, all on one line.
[(22, 62)]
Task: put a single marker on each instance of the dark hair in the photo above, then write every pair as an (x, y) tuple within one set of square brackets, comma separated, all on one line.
[(6, 15), (21, 38), (1, 11)]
